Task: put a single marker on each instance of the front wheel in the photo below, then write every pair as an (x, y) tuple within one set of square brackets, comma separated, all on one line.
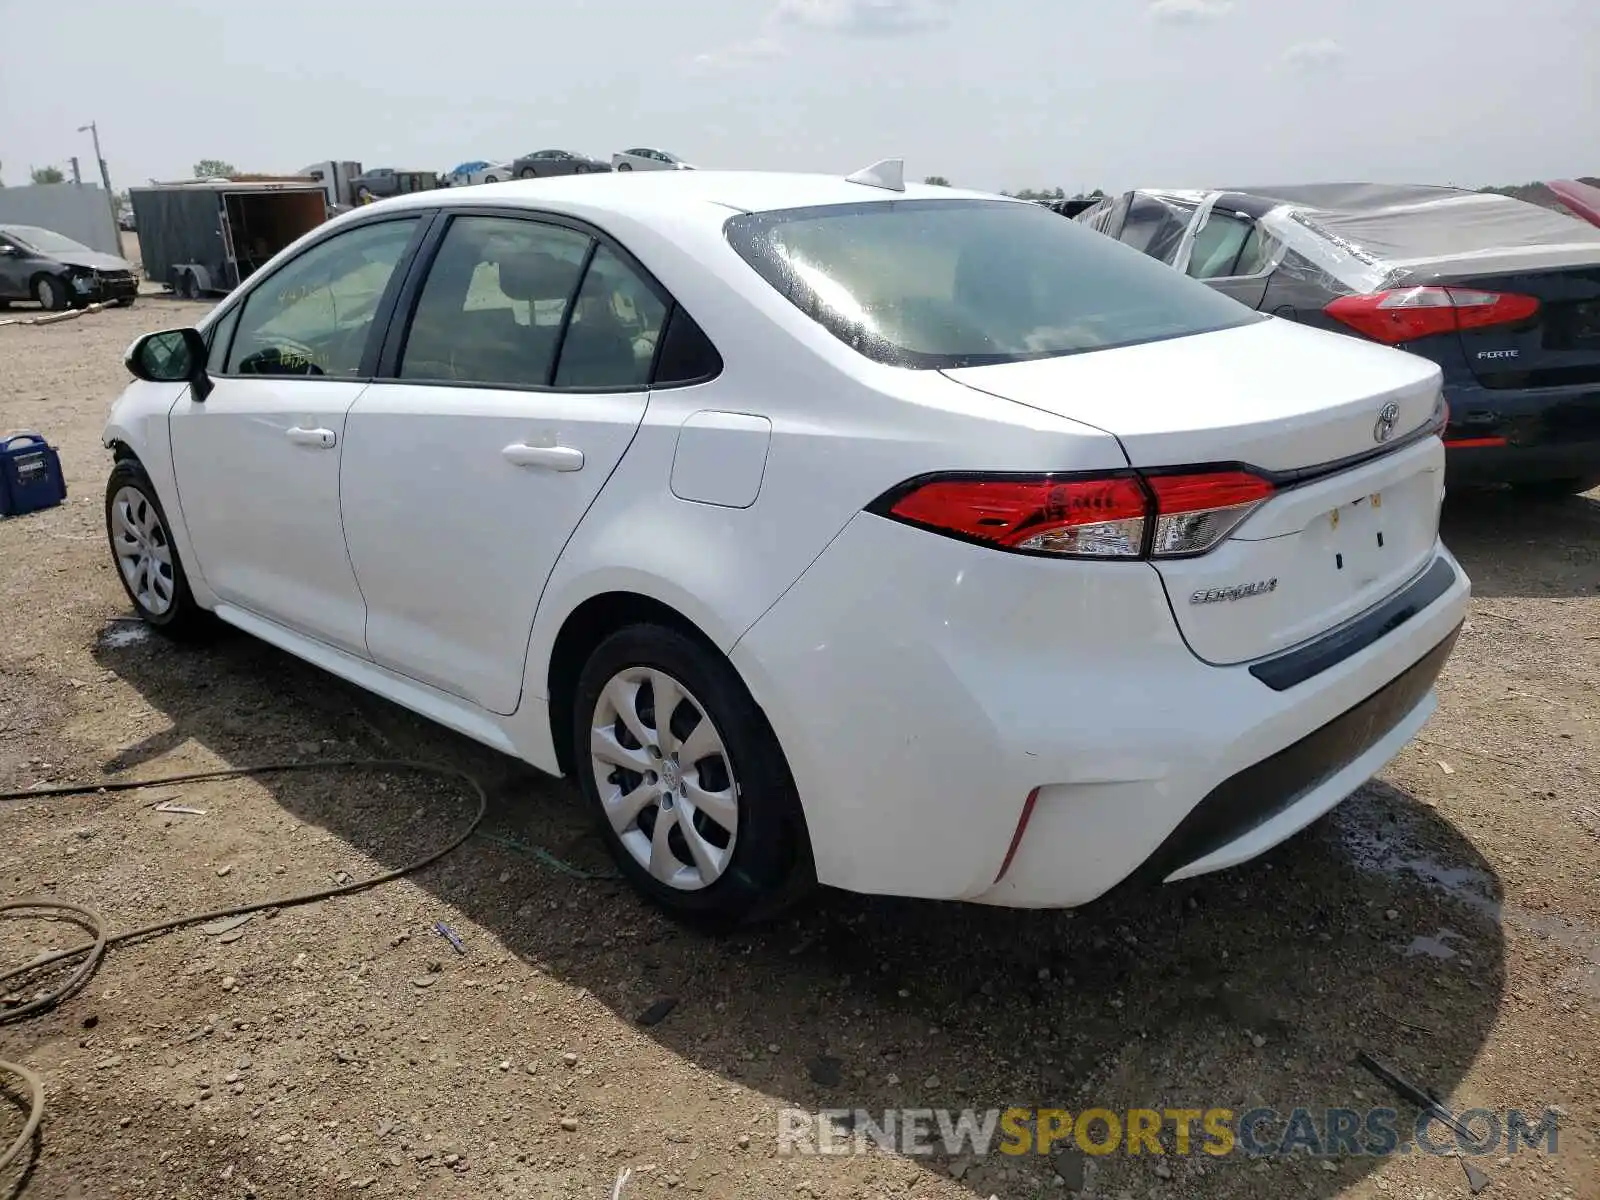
[(686, 780), (125, 301), (146, 559), (51, 293)]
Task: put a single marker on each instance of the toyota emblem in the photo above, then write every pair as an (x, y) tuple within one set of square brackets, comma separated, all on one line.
[(1388, 417)]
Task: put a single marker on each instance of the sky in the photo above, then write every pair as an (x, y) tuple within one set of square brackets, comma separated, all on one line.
[(991, 94)]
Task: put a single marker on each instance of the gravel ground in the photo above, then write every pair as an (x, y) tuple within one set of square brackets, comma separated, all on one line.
[(1446, 919)]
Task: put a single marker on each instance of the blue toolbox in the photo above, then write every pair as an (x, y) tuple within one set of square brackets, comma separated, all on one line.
[(30, 475)]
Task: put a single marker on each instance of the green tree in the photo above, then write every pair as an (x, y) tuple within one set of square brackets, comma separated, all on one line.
[(937, 181), (48, 175), (206, 168)]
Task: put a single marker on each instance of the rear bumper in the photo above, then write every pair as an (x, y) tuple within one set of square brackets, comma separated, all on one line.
[(1481, 465), (1505, 435), (1300, 781), (923, 688)]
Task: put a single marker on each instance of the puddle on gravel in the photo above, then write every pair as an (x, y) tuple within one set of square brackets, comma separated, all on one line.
[(1379, 845), (1438, 946), (124, 633)]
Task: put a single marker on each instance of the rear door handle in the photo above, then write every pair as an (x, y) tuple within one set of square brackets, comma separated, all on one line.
[(554, 458), (321, 438)]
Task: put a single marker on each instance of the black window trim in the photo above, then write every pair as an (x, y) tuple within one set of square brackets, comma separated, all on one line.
[(235, 303), (404, 310)]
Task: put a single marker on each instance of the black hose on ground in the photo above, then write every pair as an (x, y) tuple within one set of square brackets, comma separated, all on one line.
[(93, 952)]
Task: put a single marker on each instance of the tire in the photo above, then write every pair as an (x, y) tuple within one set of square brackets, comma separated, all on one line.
[(189, 286), (526, 173), (1557, 489), (125, 301), (137, 529), (624, 166), (51, 293), (491, 179), (764, 864)]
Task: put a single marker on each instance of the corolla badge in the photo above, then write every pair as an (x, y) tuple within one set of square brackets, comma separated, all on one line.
[(1388, 418), (1238, 591)]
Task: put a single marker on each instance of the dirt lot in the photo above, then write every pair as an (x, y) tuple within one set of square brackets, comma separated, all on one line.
[(1446, 919)]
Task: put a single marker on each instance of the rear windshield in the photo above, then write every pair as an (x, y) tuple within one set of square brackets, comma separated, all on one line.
[(937, 284)]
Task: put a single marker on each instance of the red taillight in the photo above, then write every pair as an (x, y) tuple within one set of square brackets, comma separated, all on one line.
[(1102, 517), (1406, 314), (1121, 516), (1195, 512)]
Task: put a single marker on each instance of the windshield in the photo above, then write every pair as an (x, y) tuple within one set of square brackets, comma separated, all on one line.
[(43, 241), (938, 284)]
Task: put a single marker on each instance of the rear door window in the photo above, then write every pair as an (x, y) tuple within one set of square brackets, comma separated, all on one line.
[(611, 340), (951, 283), (1217, 245), (492, 308)]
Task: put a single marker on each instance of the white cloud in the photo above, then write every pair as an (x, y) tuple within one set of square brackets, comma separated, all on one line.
[(739, 56), (1311, 55), (1188, 12), (866, 18)]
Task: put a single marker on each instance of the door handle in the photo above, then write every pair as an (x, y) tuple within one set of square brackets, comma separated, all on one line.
[(555, 458), (323, 439)]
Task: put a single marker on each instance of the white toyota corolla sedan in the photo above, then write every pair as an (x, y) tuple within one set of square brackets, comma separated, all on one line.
[(898, 538)]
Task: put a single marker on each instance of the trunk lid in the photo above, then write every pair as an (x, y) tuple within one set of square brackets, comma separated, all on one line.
[(1559, 345), (1290, 401)]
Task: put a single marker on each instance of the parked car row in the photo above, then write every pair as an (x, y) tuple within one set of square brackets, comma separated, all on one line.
[(545, 164), (1502, 294)]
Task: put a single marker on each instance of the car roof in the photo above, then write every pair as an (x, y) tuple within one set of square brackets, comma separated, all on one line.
[(709, 194)]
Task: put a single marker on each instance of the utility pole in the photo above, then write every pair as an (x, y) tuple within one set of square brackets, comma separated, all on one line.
[(77, 175), (105, 176)]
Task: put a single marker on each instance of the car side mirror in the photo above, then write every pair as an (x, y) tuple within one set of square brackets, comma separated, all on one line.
[(171, 356)]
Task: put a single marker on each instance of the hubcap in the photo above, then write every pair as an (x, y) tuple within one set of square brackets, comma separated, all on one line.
[(143, 550), (664, 776)]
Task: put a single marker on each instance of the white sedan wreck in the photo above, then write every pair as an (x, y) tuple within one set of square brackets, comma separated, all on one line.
[(900, 538)]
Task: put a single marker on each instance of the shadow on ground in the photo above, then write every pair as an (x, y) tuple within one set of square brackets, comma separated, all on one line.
[(1512, 545), (1255, 987)]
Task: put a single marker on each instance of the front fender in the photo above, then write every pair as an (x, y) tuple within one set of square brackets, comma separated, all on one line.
[(139, 422)]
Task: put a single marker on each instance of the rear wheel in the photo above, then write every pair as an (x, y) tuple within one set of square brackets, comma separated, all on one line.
[(686, 780), (125, 301), (624, 166), (146, 559), (1557, 489), (526, 173), (51, 293)]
